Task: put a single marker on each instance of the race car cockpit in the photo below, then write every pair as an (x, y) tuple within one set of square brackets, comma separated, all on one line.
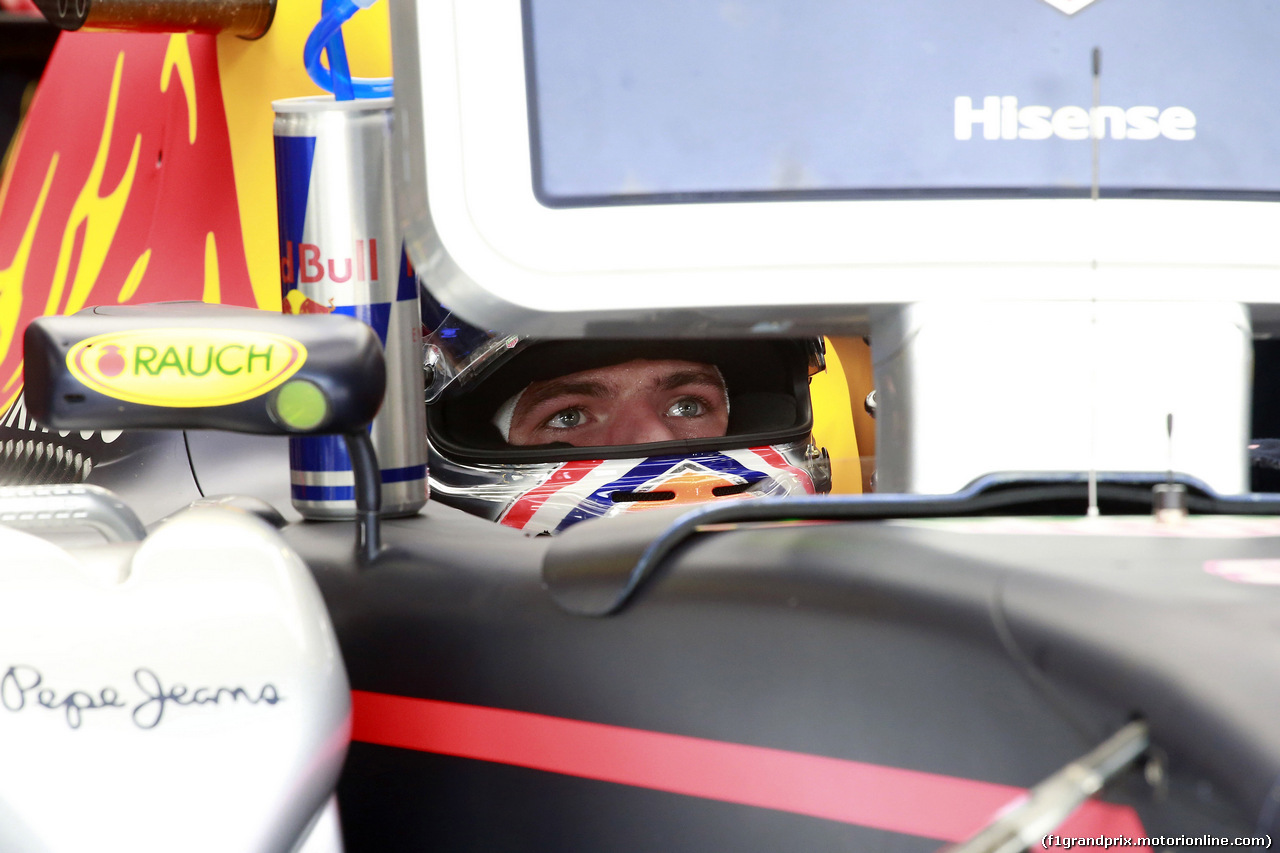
[(1054, 622)]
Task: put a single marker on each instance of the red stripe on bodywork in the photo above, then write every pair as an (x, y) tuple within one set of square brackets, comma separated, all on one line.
[(946, 808), (531, 501)]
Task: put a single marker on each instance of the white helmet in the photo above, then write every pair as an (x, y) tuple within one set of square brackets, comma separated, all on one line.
[(474, 377)]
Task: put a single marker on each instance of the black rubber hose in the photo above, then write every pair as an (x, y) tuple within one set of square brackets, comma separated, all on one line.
[(368, 492)]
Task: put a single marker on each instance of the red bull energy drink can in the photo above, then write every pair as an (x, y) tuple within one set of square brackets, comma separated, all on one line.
[(342, 252)]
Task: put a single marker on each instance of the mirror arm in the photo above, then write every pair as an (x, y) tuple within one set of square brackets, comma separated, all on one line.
[(368, 494)]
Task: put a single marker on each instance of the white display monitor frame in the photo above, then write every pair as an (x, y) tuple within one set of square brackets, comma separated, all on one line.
[(490, 250)]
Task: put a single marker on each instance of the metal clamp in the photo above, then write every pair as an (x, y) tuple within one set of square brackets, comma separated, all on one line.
[(1052, 801)]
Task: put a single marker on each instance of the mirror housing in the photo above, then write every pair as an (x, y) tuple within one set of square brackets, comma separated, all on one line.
[(191, 365)]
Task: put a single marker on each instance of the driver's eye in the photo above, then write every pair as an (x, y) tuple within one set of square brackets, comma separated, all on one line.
[(566, 419), (686, 407)]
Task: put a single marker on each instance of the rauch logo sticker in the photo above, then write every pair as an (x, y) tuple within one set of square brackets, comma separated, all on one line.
[(184, 368)]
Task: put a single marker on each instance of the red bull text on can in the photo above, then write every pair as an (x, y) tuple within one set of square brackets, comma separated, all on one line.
[(341, 252)]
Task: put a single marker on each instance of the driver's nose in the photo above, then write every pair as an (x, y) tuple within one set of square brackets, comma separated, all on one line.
[(638, 423)]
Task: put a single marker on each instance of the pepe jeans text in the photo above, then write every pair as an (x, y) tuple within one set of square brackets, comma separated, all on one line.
[(148, 701)]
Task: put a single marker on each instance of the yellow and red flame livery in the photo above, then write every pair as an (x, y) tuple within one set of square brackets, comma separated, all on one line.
[(143, 172)]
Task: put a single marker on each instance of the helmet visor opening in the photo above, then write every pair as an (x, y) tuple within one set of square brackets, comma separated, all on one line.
[(566, 400)]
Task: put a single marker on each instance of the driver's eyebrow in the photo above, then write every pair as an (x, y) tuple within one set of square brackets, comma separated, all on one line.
[(556, 388), (706, 376)]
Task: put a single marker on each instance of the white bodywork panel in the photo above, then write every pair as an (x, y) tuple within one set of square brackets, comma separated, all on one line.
[(969, 389), (185, 692)]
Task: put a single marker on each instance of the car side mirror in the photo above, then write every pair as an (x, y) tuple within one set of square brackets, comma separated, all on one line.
[(190, 365)]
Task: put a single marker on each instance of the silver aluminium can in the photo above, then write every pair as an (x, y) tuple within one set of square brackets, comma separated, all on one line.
[(341, 252)]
